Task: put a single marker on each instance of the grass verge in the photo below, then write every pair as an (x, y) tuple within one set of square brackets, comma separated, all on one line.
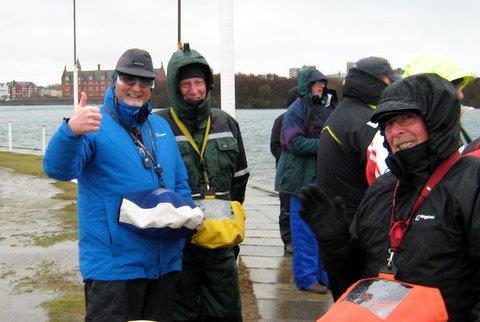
[(70, 304), (67, 217)]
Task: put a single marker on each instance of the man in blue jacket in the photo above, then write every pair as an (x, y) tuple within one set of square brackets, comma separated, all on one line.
[(113, 150)]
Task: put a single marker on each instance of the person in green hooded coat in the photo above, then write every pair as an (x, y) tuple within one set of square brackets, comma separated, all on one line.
[(207, 289)]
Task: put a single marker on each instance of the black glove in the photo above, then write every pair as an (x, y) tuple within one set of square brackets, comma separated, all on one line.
[(325, 216)]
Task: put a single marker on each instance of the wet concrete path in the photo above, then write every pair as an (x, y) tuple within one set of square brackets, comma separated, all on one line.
[(270, 270)]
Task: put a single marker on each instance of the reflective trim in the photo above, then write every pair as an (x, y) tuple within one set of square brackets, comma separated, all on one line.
[(196, 195), (330, 132), (241, 173), (220, 135), (181, 138), (222, 193)]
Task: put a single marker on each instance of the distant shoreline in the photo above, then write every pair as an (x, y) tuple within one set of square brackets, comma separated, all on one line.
[(47, 101), (92, 101)]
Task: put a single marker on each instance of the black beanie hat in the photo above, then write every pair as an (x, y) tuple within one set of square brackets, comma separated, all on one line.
[(192, 71)]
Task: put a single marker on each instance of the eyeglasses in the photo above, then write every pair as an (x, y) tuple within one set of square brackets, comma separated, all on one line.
[(130, 80), (402, 120)]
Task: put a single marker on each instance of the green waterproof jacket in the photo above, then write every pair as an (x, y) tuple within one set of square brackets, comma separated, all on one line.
[(225, 157)]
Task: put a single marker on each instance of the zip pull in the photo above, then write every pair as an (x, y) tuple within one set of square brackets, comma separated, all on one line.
[(391, 251)]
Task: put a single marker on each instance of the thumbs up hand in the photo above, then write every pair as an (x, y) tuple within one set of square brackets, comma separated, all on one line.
[(86, 118)]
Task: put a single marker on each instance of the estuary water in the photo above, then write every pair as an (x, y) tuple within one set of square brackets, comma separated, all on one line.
[(255, 125), (27, 123)]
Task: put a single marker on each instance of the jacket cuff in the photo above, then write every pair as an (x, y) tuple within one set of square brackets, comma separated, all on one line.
[(67, 131)]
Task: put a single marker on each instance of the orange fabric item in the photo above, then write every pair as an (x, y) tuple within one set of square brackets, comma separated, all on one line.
[(384, 299)]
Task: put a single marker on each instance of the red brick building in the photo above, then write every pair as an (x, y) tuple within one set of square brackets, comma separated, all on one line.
[(22, 90), (95, 82)]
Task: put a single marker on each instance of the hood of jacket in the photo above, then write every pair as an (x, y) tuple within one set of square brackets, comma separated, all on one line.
[(437, 64), (132, 115), (192, 114), (363, 86), (306, 77), (434, 99)]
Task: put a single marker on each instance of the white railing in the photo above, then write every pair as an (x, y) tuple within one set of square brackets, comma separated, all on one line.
[(10, 139)]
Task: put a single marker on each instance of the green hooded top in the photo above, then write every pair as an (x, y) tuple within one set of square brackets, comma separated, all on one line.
[(225, 157), (192, 114)]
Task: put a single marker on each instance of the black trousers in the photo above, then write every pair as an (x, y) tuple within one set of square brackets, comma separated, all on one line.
[(138, 299), (284, 218)]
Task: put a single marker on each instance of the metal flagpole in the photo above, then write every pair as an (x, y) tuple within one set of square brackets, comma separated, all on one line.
[(227, 71), (75, 65), (179, 26)]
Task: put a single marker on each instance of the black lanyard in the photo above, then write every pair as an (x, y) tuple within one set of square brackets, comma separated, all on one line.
[(149, 160)]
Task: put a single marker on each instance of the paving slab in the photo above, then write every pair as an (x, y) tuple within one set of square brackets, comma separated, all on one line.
[(267, 233), (271, 241), (270, 267), (261, 225), (254, 250)]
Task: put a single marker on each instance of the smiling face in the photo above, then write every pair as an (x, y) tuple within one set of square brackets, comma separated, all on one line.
[(405, 131), (134, 95), (193, 89)]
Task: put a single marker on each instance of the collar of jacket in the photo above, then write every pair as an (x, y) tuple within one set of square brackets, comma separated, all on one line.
[(193, 114), (412, 166), (364, 86), (132, 115)]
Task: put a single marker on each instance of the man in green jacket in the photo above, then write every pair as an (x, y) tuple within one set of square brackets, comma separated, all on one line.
[(207, 289)]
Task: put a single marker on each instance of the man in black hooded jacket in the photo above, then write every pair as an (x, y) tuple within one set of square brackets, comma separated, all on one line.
[(441, 240), (342, 149)]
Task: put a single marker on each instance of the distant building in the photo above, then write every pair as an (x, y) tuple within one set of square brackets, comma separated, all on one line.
[(293, 72), (22, 90), (49, 92), (95, 82), (4, 92), (337, 75)]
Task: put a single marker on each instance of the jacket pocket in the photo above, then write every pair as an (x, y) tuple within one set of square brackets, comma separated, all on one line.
[(221, 159), (228, 153)]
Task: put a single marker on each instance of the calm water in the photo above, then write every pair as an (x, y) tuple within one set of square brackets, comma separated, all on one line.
[(255, 125), (27, 122)]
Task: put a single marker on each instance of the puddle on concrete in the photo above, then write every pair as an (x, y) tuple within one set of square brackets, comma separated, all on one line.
[(26, 211)]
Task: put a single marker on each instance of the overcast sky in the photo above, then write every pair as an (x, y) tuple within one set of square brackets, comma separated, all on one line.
[(270, 36)]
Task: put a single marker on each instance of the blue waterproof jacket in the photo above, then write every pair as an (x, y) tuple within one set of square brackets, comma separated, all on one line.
[(107, 164)]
